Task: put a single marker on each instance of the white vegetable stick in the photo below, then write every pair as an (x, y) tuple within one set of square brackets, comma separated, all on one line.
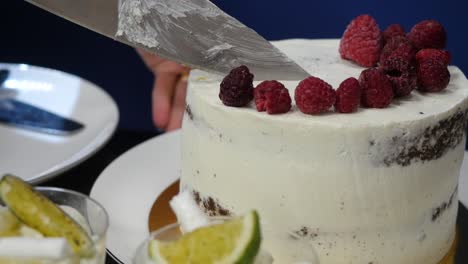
[(53, 248), (26, 231)]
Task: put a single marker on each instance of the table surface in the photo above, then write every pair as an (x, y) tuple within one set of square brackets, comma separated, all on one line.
[(82, 178)]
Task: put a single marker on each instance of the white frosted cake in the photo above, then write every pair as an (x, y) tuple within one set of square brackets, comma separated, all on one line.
[(376, 186)]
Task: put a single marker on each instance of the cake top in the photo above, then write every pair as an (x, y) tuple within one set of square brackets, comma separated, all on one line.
[(321, 59)]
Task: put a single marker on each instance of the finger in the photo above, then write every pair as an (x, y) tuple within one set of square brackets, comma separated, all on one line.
[(150, 60), (171, 67), (157, 64), (178, 105), (163, 91)]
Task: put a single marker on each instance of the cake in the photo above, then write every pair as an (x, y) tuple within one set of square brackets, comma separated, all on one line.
[(376, 186)]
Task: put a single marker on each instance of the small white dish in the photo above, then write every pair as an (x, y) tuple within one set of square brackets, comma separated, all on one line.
[(139, 176), (36, 157)]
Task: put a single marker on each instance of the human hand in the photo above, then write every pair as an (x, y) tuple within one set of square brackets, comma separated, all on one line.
[(169, 90)]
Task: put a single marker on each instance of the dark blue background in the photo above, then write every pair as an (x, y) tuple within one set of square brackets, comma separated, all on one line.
[(30, 35)]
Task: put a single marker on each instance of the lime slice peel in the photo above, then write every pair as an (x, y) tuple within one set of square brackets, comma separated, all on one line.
[(236, 241)]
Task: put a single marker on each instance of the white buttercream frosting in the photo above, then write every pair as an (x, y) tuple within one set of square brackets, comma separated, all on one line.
[(352, 188), (131, 23), (189, 215)]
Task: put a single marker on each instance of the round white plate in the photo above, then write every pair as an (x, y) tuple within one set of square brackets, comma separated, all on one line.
[(130, 185), (35, 156)]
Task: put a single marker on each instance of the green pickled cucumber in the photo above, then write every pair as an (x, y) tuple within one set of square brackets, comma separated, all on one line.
[(38, 212), (9, 223)]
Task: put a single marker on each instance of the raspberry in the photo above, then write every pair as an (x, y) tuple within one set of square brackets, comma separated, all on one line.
[(441, 55), (273, 97), (348, 96), (236, 89), (314, 96), (393, 30), (432, 72), (362, 41), (398, 45), (433, 75), (400, 70), (397, 62), (376, 88), (428, 34), (404, 83)]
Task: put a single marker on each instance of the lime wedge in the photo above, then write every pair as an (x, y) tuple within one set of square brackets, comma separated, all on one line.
[(236, 241), (38, 212)]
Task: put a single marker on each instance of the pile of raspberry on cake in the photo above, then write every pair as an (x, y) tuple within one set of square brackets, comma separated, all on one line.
[(396, 63)]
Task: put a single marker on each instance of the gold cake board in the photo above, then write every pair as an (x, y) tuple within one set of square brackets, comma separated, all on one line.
[(162, 215)]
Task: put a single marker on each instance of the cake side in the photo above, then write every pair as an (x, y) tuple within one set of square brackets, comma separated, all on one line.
[(359, 187)]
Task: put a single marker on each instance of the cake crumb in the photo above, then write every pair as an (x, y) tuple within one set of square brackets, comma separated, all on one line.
[(189, 112), (431, 144), (210, 205)]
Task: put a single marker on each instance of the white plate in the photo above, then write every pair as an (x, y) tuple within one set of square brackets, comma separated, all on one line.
[(36, 157), (130, 185)]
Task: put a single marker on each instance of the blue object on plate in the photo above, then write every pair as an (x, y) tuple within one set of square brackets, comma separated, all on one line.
[(16, 113)]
